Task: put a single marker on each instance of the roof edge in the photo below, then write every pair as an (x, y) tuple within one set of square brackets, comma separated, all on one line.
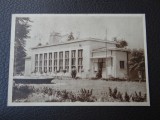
[(74, 41)]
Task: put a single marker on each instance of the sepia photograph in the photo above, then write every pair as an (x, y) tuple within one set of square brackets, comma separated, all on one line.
[(78, 60)]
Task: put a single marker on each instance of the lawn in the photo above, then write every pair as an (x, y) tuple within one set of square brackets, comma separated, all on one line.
[(100, 87)]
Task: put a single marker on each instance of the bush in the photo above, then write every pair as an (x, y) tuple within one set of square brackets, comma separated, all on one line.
[(99, 74), (126, 97), (94, 78), (116, 95), (64, 71), (28, 93), (21, 92), (86, 96), (83, 96), (138, 97)]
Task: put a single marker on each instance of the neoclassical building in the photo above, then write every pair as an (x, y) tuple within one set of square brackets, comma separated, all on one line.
[(87, 56)]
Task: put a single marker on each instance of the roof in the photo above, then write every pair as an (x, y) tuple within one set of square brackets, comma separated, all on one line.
[(28, 57), (74, 41), (103, 49), (95, 57)]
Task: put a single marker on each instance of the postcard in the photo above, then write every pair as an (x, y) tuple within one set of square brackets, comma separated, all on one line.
[(78, 60)]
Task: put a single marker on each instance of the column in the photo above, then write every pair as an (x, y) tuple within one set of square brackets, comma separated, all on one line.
[(114, 66), (38, 63), (42, 62), (76, 60), (47, 63), (63, 60), (58, 60), (52, 62), (70, 60), (33, 63)]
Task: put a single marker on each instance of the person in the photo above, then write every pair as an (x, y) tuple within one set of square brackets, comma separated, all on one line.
[(74, 72)]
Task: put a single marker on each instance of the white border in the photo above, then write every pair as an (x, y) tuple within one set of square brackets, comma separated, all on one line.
[(10, 82)]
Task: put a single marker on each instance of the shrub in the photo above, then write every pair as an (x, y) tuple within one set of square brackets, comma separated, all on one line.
[(26, 93), (138, 97), (119, 96), (21, 92), (99, 74), (64, 71), (86, 96), (83, 96), (126, 97), (94, 78), (106, 79), (116, 95), (78, 78)]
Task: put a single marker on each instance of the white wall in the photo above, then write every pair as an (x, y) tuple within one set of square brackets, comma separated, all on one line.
[(121, 56), (67, 47), (27, 67), (87, 47)]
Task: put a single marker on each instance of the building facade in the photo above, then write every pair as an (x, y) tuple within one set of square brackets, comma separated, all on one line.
[(88, 56)]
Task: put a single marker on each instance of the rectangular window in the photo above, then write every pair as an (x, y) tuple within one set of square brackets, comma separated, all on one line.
[(55, 61), (121, 64), (111, 62), (80, 60), (40, 62), (67, 61), (50, 62), (45, 62), (73, 60), (60, 61), (36, 63)]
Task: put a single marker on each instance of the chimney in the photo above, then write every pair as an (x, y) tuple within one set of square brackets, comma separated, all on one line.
[(54, 38)]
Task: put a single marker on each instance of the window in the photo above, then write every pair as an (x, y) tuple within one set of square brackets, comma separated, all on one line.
[(121, 64), (55, 61), (50, 62), (111, 62), (73, 61), (40, 62), (67, 61), (36, 63), (60, 61), (45, 62), (80, 60)]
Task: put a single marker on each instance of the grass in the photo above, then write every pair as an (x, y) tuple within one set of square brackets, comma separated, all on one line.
[(82, 90)]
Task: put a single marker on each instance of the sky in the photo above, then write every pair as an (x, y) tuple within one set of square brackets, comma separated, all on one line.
[(127, 27)]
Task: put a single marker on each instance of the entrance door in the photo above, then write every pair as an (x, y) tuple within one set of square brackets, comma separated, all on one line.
[(101, 65)]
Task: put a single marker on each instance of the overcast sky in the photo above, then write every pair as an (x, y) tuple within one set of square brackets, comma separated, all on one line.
[(125, 27)]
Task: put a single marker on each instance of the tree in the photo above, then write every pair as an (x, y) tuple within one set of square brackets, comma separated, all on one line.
[(121, 43), (22, 29), (137, 61)]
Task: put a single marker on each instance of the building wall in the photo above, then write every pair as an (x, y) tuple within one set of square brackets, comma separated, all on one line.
[(121, 56), (93, 62), (96, 45), (27, 66), (87, 47), (66, 47)]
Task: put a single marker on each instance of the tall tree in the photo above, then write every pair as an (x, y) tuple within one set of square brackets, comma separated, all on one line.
[(22, 29), (121, 43), (137, 61)]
